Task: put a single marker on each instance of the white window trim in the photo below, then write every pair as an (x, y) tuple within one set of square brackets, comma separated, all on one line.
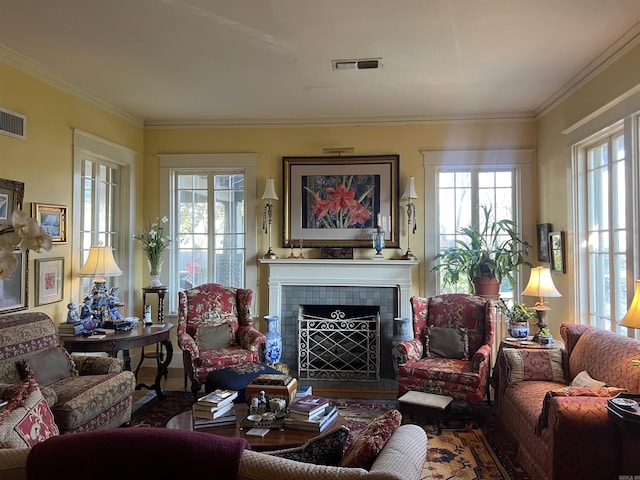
[(520, 158), (86, 145), (247, 162)]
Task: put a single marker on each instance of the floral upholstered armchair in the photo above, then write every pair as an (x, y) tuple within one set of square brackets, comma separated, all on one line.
[(215, 330), (450, 351)]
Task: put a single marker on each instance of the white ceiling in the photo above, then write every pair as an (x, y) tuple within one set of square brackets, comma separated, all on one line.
[(269, 61)]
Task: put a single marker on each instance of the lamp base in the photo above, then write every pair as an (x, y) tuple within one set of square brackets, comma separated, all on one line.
[(542, 322), (408, 255), (270, 254)]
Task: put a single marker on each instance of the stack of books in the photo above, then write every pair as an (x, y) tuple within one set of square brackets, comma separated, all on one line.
[(70, 328), (215, 409), (311, 413)]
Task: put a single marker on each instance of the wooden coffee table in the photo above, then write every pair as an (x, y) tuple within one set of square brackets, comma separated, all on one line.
[(274, 440)]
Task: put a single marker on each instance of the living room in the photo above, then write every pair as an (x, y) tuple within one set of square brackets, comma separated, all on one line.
[(600, 90)]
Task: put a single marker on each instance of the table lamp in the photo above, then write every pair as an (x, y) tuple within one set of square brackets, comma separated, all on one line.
[(99, 265), (409, 195), (269, 195), (632, 318), (540, 285)]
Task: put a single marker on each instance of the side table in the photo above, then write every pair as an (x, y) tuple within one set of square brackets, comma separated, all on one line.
[(158, 354), (160, 291)]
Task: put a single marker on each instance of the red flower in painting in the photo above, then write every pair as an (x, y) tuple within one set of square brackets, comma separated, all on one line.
[(341, 209)]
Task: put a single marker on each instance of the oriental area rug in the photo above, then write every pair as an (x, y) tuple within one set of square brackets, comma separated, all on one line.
[(460, 451)]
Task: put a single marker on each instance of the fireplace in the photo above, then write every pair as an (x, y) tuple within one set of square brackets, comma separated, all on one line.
[(296, 283)]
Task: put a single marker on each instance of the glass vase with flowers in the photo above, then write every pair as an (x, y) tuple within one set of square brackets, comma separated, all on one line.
[(154, 242)]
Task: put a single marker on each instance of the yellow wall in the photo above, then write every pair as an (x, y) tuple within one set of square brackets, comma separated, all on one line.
[(44, 160), (271, 144), (554, 165)]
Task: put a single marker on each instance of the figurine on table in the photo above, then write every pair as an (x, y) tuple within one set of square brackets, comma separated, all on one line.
[(115, 304), (72, 315)]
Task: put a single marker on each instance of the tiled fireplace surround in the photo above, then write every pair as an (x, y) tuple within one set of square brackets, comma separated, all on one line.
[(381, 283)]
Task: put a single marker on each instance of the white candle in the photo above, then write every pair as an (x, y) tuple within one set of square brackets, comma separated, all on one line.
[(379, 220)]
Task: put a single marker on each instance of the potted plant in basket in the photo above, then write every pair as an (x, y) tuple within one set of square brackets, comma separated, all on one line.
[(485, 255), (518, 316)]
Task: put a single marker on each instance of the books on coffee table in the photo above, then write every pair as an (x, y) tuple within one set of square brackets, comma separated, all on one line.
[(214, 413), (318, 424), (217, 398), (308, 405), (228, 418)]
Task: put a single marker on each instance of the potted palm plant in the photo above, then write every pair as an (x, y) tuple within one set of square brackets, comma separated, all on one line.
[(484, 256)]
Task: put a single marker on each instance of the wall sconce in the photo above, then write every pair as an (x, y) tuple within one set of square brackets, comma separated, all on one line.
[(540, 285), (409, 195), (269, 195)]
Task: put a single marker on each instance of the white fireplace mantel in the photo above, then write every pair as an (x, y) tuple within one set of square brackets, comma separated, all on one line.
[(340, 272)]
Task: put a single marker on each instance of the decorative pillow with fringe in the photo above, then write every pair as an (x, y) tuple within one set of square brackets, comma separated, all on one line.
[(447, 342), (522, 365)]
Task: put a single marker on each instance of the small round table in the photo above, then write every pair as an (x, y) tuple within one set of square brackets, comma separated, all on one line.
[(125, 340)]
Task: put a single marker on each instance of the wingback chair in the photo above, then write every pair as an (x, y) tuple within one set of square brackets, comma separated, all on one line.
[(450, 351), (215, 330)]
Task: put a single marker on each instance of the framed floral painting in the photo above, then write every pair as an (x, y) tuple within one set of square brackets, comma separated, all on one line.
[(49, 280), (339, 201)]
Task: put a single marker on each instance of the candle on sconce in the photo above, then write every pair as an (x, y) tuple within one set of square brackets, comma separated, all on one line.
[(379, 220)]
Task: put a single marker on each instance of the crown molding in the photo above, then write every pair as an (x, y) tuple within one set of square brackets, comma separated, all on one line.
[(28, 66)]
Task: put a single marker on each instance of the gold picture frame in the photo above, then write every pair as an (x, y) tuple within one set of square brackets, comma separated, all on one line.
[(49, 280), (53, 218), (370, 183)]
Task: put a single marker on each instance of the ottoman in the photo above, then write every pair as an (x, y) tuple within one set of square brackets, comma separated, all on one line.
[(429, 406), (236, 377)]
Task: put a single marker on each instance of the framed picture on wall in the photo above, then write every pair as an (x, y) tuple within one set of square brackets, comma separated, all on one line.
[(14, 289), (49, 280), (542, 230), (53, 218), (339, 201), (558, 261), (11, 197)]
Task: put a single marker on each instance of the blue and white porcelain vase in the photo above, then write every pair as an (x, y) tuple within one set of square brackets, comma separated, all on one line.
[(401, 332), (518, 329), (273, 344)]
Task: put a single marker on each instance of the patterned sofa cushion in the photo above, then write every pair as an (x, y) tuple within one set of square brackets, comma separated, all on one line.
[(525, 365), (49, 366), (325, 449), (365, 449)]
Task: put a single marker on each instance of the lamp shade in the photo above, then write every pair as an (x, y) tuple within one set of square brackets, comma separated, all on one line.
[(100, 263), (540, 284), (632, 318), (410, 189), (270, 191)]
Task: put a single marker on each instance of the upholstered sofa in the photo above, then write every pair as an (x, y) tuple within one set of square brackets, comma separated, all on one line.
[(552, 404), (82, 392), (401, 458)]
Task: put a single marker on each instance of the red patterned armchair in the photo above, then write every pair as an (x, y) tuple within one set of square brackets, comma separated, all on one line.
[(450, 351), (215, 330)]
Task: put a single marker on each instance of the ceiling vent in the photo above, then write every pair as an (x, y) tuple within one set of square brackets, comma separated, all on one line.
[(357, 64), (13, 124)]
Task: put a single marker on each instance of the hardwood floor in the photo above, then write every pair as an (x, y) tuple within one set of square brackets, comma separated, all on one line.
[(175, 382)]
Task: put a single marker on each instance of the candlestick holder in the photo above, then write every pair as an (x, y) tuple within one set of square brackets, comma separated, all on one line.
[(378, 243)]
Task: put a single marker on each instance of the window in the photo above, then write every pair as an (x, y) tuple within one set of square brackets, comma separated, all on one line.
[(463, 180), (103, 187), (210, 202), (605, 222), (460, 192)]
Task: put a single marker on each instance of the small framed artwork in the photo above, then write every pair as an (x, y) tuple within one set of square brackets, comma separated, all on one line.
[(11, 196), (14, 289), (49, 280), (53, 218), (337, 202), (556, 243), (543, 230)]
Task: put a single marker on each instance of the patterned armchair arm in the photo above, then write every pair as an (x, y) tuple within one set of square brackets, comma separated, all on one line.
[(250, 338), (188, 344), (97, 365), (410, 350), (482, 355)]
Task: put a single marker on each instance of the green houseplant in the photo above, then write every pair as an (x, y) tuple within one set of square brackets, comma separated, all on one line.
[(493, 250)]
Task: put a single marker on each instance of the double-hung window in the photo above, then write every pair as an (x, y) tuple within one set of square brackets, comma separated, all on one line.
[(462, 182), (605, 185), (209, 200)]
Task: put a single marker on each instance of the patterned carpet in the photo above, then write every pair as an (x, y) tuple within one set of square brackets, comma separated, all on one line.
[(460, 451)]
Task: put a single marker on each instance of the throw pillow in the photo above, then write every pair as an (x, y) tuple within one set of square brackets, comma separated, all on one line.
[(534, 365), (365, 449), (447, 343), (583, 379), (26, 419), (323, 450), (49, 366), (215, 336)]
